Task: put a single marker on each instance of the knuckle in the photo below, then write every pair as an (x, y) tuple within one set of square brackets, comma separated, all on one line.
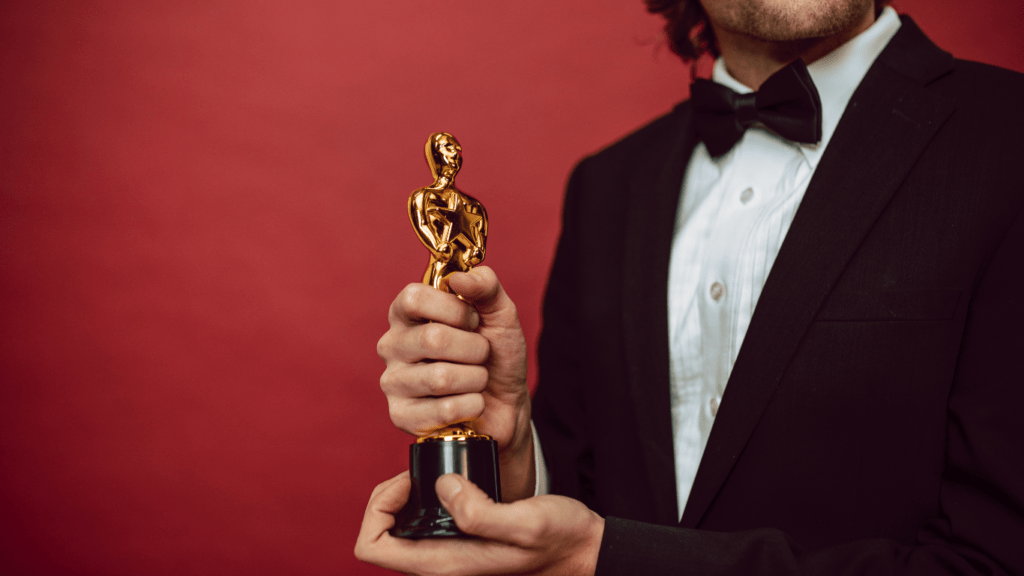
[(359, 551), (384, 346), (441, 381), (510, 318), (364, 550), (469, 517), (396, 412), (449, 411), (377, 490), (535, 528), (387, 382), (434, 337), (408, 299)]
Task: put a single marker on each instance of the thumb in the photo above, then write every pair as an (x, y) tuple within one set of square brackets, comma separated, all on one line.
[(499, 324), (480, 286), (473, 511)]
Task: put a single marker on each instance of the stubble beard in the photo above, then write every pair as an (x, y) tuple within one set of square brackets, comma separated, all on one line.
[(789, 21)]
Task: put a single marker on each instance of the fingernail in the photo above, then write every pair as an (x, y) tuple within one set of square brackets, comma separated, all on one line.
[(447, 487)]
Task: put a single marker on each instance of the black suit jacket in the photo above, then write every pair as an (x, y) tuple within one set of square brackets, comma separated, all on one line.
[(872, 421)]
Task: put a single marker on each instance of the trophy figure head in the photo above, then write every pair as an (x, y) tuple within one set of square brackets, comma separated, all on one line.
[(444, 155)]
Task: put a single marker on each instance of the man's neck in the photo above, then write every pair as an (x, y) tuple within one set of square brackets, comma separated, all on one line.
[(752, 61)]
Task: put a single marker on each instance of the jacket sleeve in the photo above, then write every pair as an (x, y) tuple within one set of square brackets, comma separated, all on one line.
[(559, 411)]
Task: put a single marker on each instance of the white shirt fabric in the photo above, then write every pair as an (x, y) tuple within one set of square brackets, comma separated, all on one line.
[(733, 215)]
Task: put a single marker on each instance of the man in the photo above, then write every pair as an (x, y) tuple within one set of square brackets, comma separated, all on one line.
[(805, 362)]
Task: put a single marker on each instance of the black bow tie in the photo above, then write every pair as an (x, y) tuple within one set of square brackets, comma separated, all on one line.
[(787, 103)]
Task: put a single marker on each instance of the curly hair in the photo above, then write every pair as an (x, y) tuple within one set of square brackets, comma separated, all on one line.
[(687, 28)]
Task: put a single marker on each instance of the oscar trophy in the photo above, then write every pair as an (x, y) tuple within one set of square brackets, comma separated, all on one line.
[(453, 227)]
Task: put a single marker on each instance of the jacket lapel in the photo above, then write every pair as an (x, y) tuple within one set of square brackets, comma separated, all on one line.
[(887, 124), (650, 221)]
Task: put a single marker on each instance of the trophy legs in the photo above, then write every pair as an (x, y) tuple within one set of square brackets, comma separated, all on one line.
[(474, 457)]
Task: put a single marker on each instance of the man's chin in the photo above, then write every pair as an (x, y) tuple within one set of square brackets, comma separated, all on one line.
[(785, 21)]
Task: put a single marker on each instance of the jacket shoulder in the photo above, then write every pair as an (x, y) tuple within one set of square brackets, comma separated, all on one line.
[(988, 75), (983, 85), (987, 102)]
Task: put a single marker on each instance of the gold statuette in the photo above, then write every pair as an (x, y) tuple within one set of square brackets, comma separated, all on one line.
[(453, 227)]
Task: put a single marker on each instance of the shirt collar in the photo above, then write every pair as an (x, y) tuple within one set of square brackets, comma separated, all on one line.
[(836, 75)]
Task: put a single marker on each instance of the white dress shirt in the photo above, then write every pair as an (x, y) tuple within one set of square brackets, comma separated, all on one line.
[(733, 215)]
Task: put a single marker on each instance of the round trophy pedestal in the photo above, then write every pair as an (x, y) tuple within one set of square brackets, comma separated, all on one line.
[(474, 457)]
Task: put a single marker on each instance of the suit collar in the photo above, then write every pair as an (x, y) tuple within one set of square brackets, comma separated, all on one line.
[(890, 119), (838, 74), (914, 56)]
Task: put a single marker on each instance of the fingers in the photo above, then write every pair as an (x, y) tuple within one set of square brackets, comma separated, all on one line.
[(418, 303), (429, 556), (476, 514), (435, 374), (387, 499), (433, 379), (446, 361), (389, 496), (549, 534), (434, 342), (419, 416)]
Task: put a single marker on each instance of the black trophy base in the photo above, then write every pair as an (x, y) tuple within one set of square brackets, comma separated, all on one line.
[(475, 458)]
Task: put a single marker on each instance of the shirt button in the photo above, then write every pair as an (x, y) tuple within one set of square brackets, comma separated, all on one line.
[(717, 291), (746, 195), (714, 407)]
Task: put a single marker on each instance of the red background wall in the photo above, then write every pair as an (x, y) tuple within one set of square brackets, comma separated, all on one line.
[(202, 224)]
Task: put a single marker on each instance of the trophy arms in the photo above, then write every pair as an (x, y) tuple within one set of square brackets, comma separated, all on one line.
[(425, 222), (477, 233)]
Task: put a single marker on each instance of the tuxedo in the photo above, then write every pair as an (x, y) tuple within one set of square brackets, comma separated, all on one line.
[(872, 420)]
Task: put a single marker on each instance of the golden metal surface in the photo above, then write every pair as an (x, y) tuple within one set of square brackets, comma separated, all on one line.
[(450, 223), (453, 227), (453, 433)]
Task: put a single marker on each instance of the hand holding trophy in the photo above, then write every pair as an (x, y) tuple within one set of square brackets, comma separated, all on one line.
[(452, 361), (453, 227)]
